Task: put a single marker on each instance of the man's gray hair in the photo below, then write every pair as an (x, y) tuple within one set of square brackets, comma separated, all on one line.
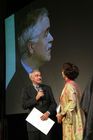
[(32, 73), (29, 31)]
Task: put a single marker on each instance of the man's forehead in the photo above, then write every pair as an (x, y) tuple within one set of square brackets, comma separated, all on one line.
[(36, 73), (42, 24)]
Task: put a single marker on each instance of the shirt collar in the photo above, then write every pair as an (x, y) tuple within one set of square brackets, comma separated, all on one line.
[(35, 86), (68, 80), (26, 67)]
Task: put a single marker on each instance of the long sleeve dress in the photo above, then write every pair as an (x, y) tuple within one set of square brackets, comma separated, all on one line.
[(73, 117)]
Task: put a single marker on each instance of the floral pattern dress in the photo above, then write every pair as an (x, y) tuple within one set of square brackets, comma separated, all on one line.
[(73, 117)]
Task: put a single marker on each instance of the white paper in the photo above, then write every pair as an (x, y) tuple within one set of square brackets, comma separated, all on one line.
[(34, 119)]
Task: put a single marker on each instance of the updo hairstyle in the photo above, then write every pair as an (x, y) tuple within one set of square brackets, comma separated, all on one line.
[(70, 70)]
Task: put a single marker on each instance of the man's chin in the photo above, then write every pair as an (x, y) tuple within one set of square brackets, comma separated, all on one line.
[(39, 82), (48, 58)]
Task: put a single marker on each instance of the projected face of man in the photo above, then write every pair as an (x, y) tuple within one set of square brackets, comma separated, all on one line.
[(43, 40)]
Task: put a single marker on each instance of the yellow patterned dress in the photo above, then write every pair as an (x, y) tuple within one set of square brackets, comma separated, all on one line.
[(73, 117)]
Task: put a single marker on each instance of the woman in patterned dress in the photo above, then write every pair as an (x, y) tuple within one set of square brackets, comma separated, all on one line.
[(71, 115)]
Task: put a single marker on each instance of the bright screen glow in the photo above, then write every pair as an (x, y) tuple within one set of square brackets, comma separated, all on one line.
[(72, 30)]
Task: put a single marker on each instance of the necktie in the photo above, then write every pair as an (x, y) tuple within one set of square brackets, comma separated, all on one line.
[(37, 88)]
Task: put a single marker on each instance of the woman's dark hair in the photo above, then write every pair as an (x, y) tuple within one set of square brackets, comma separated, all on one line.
[(70, 70)]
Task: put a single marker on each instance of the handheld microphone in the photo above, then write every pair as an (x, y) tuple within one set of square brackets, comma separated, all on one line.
[(41, 98), (40, 89)]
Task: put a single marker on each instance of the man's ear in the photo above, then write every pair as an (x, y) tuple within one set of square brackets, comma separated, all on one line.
[(30, 48)]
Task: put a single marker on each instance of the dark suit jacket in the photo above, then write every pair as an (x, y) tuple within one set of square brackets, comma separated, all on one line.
[(45, 103), (13, 91), (87, 106)]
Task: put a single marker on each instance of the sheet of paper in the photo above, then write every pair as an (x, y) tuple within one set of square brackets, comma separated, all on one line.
[(34, 119)]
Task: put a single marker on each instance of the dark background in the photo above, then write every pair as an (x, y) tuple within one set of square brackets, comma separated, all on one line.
[(72, 30), (9, 128)]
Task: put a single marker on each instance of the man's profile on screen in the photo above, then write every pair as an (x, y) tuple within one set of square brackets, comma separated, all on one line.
[(33, 44), (35, 41)]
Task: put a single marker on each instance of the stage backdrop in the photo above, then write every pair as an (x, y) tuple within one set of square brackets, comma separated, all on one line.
[(72, 30)]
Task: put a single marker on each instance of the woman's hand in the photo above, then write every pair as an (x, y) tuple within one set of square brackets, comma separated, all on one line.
[(59, 118)]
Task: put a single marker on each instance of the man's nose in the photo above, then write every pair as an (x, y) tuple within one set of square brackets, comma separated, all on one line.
[(40, 77), (50, 38)]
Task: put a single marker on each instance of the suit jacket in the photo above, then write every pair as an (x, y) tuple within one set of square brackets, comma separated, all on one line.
[(87, 106), (13, 91), (45, 103)]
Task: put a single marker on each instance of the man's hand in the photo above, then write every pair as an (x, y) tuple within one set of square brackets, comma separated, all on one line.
[(39, 94), (59, 118), (44, 116)]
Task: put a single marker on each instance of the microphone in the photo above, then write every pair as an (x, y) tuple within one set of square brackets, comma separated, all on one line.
[(41, 98), (40, 89)]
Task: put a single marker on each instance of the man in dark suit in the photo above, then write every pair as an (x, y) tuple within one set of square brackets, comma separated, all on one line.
[(87, 106), (41, 97)]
